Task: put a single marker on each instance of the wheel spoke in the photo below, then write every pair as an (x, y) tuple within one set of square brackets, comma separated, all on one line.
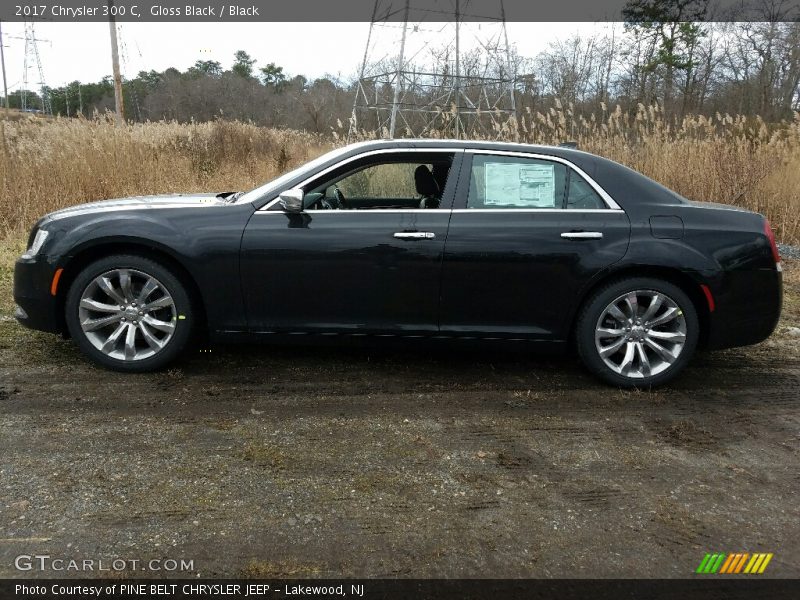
[(148, 288), (125, 284), (627, 360), (675, 337), (148, 336), (130, 342), (615, 312), (90, 304), (603, 333), (632, 302), (111, 341), (93, 324), (643, 360), (165, 326), (662, 352), (104, 283), (665, 317), (607, 351), (159, 303), (655, 304)]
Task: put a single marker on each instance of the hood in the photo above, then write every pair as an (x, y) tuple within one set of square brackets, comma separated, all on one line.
[(139, 203)]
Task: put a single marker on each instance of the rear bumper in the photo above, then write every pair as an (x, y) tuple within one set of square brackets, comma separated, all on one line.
[(748, 307), (36, 307)]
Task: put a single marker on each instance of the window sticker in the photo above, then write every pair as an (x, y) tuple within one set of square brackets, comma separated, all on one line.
[(520, 184)]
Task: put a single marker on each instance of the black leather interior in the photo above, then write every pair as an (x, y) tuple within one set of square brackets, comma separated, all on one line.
[(427, 187)]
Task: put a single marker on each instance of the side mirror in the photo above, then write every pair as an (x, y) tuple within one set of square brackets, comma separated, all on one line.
[(292, 200)]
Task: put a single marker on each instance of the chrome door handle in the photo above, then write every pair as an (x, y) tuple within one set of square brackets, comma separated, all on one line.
[(582, 235), (415, 235)]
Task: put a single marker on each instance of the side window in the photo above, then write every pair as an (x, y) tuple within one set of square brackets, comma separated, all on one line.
[(581, 195), (395, 182), (390, 180), (516, 182)]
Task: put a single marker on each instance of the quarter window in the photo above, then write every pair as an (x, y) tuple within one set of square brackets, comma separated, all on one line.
[(582, 195)]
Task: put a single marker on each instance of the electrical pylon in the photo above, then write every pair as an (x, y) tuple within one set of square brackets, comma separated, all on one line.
[(403, 97)]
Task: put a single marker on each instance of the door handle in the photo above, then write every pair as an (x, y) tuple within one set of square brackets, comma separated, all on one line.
[(415, 235), (582, 235)]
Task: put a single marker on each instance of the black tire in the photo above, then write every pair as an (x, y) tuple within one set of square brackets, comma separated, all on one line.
[(595, 307), (180, 310)]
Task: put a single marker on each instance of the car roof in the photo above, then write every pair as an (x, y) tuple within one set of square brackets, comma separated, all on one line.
[(467, 144)]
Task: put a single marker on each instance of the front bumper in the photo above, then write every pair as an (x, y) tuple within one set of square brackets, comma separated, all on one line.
[(36, 307)]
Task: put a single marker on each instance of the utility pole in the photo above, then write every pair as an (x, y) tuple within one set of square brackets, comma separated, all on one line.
[(118, 100), (3, 62)]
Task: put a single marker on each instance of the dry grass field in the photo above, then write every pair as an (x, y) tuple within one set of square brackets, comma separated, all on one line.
[(46, 164)]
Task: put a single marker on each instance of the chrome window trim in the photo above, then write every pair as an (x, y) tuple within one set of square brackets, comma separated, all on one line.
[(610, 203), (540, 210), (604, 211), (274, 201)]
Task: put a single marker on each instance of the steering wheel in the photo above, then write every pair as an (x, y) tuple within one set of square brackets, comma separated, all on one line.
[(340, 197)]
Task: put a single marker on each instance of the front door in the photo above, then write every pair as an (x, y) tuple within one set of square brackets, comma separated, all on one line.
[(365, 255)]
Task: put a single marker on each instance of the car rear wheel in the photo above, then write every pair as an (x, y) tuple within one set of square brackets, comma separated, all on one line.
[(637, 332), (129, 313)]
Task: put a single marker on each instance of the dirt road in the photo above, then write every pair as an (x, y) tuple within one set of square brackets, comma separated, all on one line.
[(399, 462)]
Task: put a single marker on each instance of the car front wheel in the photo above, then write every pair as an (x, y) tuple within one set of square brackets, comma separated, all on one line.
[(637, 332), (128, 313)]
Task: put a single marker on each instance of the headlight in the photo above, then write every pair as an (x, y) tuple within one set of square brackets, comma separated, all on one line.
[(38, 242)]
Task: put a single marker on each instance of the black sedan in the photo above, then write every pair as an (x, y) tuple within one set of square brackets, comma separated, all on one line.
[(547, 246)]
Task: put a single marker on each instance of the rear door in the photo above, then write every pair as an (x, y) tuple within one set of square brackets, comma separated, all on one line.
[(527, 233)]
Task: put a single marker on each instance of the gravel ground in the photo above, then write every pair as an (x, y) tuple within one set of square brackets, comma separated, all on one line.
[(298, 462), (789, 252)]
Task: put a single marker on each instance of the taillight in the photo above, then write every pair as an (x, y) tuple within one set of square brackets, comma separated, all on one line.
[(771, 237)]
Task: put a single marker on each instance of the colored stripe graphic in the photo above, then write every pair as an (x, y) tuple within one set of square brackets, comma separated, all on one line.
[(718, 562), (764, 564), (740, 564), (736, 562), (731, 560), (754, 563), (703, 563)]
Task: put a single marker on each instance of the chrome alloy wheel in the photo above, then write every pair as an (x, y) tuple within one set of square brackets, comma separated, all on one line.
[(640, 334), (127, 314)]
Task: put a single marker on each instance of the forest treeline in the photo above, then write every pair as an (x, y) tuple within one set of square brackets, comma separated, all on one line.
[(667, 58)]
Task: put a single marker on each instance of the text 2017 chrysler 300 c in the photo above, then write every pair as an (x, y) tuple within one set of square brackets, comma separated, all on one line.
[(417, 238)]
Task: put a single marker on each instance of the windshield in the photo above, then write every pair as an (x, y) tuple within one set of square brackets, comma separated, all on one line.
[(275, 186)]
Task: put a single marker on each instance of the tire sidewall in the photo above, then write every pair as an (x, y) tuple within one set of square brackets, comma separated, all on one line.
[(597, 303), (174, 287)]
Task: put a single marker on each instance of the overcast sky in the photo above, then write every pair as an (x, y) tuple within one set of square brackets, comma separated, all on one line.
[(81, 51)]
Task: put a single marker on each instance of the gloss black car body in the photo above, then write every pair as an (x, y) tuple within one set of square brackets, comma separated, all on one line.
[(252, 269)]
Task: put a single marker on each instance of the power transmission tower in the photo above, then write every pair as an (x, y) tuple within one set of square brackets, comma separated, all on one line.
[(402, 96), (32, 55)]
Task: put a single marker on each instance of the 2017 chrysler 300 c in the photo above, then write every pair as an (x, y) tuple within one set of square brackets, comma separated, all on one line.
[(418, 238)]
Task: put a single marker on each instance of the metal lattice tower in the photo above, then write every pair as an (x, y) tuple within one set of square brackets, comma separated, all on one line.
[(401, 95), (32, 53)]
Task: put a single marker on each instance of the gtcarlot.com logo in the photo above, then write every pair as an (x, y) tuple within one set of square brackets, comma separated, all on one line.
[(45, 562), (734, 563)]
